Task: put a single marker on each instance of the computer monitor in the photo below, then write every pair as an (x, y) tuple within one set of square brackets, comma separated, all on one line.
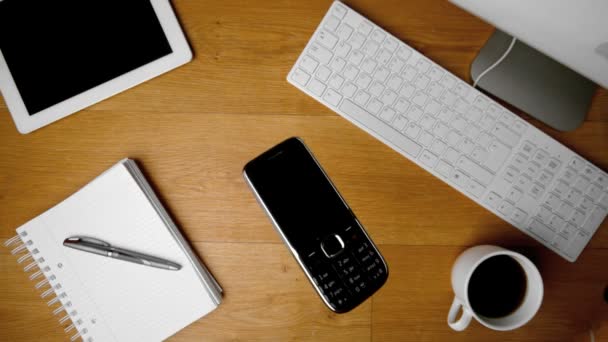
[(560, 51)]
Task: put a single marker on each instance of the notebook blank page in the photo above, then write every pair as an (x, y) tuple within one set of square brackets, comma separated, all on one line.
[(136, 302)]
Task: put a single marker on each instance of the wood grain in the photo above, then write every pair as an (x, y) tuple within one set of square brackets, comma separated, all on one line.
[(193, 129)]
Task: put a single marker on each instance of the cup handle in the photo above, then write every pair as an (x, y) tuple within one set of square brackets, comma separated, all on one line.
[(464, 320)]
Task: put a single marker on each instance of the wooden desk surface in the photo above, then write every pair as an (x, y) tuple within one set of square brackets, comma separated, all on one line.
[(194, 128)]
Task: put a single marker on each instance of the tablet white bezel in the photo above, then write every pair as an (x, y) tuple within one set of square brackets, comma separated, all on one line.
[(180, 55)]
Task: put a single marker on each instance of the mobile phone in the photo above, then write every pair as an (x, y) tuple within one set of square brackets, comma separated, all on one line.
[(323, 234)]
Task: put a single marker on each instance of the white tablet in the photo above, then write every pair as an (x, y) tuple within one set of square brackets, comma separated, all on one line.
[(58, 57)]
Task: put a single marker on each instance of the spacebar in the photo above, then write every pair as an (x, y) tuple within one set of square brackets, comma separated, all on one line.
[(372, 123)]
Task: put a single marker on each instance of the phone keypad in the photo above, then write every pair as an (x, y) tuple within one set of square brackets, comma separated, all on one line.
[(350, 276)]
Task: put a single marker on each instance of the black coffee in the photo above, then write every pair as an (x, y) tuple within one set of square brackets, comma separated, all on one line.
[(497, 287)]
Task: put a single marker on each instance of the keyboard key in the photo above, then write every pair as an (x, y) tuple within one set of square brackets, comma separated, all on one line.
[(321, 54), (505, 208), (594, 192), (409, 73), (523, 181), (374, 106), (544, 214), (560, 242), (413, 130), (479, 155), (414, 113), (565, 210), (604, 200), (427, 122), (407, 91), (542, 231), (327, 39), (475, 189), (370, 48), (308, 64), (574, 196), (339, 10), (338, 64), (356, 57), (459, 178), (300, 76), (568, 231), (434, 89), (351, 72), (441, 130), (395, 82), (493, 200), (556, 222), (349, 89), (423, 65), (402, 105), (577, 218), (499, 153), (357, 40), (553, 165), (383, 56), (510, 174), (581, 184), (448, 81), (506, 135), (519, 127), (363, 81), (453, 138), (387, 114), (438, 147), (323, 73), (466, 146), (436, 73), (602, 180), (388, 97), (404, 53), (426, 139), (369, 65), (527, 149), (332, 23), (553, 201), (448, 98), (462, 89), (432, 107), (519, 216), (444, 168), (316, 87), (569, 176), (474, 170), (585, 205), (561, 188), (381, 74), (336, 81), (536, 191), (514, 195), (428, 159), (451, 155), (391, 44), (362, 97), (396, 64), (344, 31), (420, 99), (594, 220), (332, 97), (365, 27), (544, 178), (378, 36), (401, 142), (421, 82), (400, 122), (577, 244), (577, 164), (376, 89)]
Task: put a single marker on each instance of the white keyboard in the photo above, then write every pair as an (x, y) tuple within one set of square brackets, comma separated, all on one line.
[(453, 131)]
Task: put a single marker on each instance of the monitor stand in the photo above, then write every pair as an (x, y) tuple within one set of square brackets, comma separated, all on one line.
[(534, 83)]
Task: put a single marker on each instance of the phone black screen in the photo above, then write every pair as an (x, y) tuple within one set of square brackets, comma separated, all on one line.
[(58, 49), (298, 195)]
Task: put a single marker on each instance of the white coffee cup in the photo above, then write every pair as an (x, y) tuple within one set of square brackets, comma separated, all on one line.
[(462, 271)]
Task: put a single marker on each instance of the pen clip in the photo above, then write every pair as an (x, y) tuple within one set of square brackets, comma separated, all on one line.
[(76, 239)]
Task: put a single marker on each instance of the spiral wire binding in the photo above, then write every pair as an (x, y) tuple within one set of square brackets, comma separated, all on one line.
[(19, 244)]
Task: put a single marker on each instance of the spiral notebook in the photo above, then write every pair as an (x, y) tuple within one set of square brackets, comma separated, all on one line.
[(103, 299)]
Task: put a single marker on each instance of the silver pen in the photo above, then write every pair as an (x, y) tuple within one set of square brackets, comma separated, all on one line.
[(96, 246)]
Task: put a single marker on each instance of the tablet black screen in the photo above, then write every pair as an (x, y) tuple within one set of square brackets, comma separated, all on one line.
[(61, 48)]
